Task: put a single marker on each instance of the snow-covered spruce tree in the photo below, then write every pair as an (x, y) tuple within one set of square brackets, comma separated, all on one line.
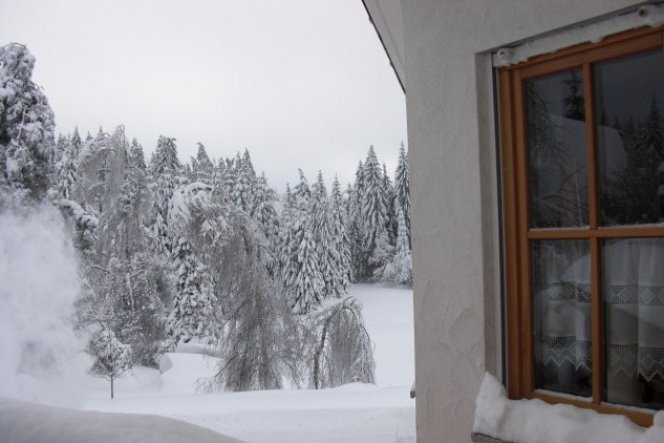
[(340, 241), (300, 264), (301, 276), (65, 170), (198, 218), (136, 155), (265, 214), (56, 153), (341, 351), (326, 247), (400, 268), (264, 210), (27, 141), (111, 357), (219, 175), (243, 188), (229, 176), (76, 141), (192, 313), (165, 173), (283, 240), (302, 193), (402, 188), (355, 226), (204, 170), (373, 215), (389, 192)]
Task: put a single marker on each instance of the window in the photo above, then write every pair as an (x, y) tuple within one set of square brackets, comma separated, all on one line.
[(582, 146)]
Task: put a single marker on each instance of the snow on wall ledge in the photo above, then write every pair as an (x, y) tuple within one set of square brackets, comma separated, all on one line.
[(527, 421), (646, 15)]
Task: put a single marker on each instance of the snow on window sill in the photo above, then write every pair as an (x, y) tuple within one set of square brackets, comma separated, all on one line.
[(523, 421)]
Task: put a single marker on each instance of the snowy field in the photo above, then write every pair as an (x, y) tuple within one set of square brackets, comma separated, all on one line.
[(351, 413)]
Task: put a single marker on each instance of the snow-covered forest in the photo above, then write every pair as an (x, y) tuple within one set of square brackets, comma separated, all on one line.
[(171, 251)]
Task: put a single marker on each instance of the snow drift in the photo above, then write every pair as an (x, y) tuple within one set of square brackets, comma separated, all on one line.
[(23, 422)]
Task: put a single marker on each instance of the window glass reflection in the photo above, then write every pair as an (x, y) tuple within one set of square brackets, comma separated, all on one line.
[(630, 129), (557, 151)]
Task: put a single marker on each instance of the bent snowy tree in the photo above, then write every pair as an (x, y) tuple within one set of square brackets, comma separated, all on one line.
[(341, 351)]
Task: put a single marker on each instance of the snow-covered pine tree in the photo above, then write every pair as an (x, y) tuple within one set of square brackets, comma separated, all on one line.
[(402, 188), (374, 220), (193, 313), (400, 268), (27, 141)]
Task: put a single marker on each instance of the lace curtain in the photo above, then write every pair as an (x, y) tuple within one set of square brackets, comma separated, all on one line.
[(633, 300), (633, 291)]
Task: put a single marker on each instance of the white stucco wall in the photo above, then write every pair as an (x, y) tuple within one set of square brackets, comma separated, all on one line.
[(453, 189)]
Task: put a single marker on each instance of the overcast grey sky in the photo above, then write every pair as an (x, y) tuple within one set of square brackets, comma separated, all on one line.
[(300, 83)]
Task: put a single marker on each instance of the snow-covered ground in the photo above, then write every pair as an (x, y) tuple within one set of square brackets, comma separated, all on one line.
[(351, 413)]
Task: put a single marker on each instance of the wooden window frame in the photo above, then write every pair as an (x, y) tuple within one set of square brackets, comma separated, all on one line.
[(518, 281)]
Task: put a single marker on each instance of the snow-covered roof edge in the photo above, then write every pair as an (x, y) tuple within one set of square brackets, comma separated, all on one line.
[(637, 17), (386, 18)]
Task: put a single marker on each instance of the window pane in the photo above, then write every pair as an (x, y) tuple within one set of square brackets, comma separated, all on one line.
[(557, 151), (630, 97), (633, 293), (561, 290)]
